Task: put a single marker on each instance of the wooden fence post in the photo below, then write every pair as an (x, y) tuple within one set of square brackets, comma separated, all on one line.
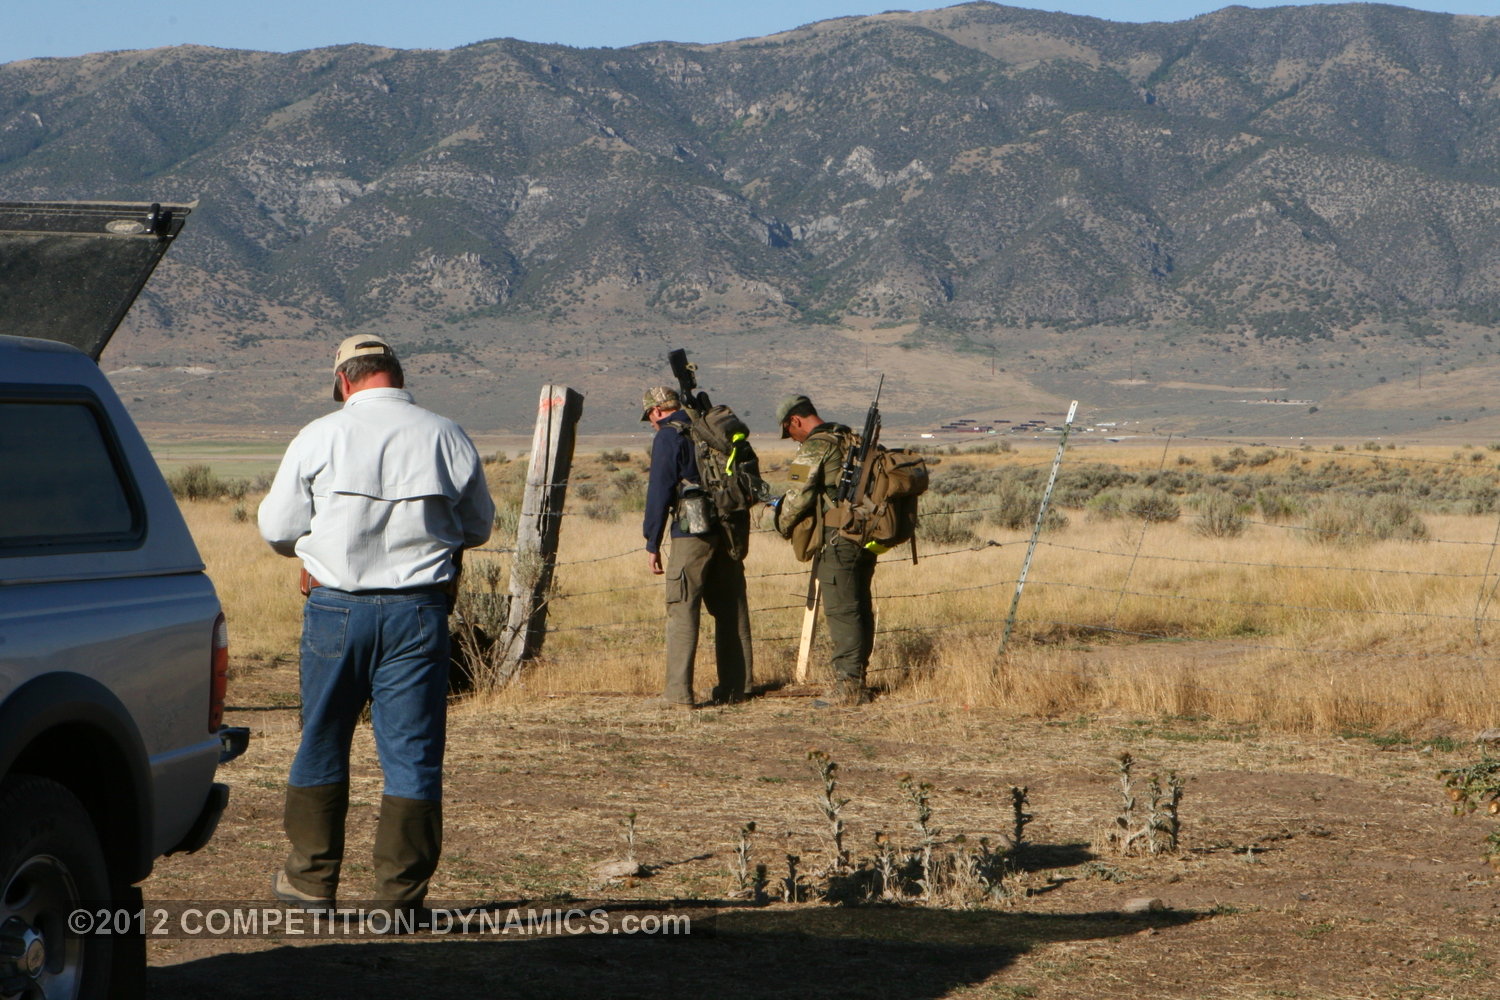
[(539, 527)]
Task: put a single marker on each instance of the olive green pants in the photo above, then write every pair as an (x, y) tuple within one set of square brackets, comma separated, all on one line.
[(701, 573), (845, 572)]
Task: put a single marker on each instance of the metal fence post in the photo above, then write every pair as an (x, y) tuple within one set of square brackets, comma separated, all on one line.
[(1036, 531)]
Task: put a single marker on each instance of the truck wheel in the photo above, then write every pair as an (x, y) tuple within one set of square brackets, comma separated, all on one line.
[(50, 865)]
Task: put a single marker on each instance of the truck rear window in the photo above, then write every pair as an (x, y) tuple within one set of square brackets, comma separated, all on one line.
[(61, 481)]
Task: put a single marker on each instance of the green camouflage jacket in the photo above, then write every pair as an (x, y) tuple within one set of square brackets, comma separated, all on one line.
[(815, 476)]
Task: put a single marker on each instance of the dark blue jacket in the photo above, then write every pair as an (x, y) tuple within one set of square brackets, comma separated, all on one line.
[(672, 461)]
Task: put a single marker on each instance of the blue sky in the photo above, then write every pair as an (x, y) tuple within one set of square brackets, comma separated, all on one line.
[(73, 27)]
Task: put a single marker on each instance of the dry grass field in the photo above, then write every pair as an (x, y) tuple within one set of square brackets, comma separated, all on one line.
[(1305, 691), (1119, 614)]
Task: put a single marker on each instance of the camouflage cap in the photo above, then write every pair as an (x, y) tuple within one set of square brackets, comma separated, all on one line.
[(786, 406), (659, 395), (353, 347)]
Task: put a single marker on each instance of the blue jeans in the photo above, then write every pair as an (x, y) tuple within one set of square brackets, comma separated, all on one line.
[(389, 649)]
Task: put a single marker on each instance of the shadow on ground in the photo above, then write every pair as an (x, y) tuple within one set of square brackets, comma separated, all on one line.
[(858, 952)]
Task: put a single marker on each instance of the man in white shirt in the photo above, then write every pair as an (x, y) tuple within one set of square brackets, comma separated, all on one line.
[(377, 499)]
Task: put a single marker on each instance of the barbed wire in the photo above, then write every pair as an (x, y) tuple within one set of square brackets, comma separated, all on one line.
[(1256, 604), (1263, 565), (1365, 607)]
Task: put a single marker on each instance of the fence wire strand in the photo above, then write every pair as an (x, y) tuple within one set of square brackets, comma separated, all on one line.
[(985, 575)]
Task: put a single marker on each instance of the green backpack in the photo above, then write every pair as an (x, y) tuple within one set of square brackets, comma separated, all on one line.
[(729, 468)]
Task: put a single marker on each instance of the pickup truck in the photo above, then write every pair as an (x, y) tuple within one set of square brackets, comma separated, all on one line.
[(113, 645)]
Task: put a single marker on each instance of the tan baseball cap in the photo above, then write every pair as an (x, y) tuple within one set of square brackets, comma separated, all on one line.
[(658, 395), (786, 406), (353, 347)]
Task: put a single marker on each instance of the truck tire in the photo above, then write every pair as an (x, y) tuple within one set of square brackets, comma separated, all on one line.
[(51, 864)]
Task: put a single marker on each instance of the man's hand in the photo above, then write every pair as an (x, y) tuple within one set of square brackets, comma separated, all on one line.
[(772, 511), (654, 559)]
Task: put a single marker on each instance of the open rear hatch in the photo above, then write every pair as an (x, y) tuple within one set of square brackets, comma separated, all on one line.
[(69, 271)]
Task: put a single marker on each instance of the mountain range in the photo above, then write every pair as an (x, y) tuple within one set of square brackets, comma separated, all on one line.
[(1000, 208)]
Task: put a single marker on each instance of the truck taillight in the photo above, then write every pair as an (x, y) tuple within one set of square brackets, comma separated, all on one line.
[(220, 678)]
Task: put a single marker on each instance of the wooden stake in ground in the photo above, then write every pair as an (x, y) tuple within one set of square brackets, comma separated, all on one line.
[(809, 624), (540, 527)]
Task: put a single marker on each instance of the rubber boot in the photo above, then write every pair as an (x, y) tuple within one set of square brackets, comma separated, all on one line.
[(314, 823), (408, 841)]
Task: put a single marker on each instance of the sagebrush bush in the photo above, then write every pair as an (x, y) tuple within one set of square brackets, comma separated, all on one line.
[(1154, 507), (1351, 521), (942, 524), (601, 510), (200, 482), (1220, 516), (1277, 507), (1106, 506)]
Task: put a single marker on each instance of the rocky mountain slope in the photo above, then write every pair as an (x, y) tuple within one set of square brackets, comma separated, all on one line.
[(1252, 190)]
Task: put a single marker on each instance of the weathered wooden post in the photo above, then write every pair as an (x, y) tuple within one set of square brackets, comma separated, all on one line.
[(539, 527)]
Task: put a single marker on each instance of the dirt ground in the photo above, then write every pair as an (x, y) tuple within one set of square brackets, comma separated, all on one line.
[(1317, 867)]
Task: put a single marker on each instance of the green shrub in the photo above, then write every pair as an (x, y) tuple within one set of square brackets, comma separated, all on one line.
[(601, 510), (1106, 506), (199, 482), (1154, 507), (1221, 516), (1352, 521), (1014, 507), (1277, 507), (941, 524)]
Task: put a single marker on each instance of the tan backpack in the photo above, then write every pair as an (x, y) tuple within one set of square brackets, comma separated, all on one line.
[(883, 513)]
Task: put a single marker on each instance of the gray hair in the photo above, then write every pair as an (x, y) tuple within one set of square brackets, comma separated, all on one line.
[(362, 366)]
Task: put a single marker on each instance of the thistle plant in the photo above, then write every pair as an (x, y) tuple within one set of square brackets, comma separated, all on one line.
[(918, 794), (886, 865), (1163, 824), (629, 835), (1122, 837), (830, 805), (789, 887), (741, 863), (1019, 816), (992, 866)]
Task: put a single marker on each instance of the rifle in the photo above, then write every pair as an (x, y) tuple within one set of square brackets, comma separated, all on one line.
[(687, 382), (854, 476), (697, 403)]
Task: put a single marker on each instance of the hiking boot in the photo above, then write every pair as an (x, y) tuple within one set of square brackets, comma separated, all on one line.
[(660, 702), (845, 694), (283, 889)]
